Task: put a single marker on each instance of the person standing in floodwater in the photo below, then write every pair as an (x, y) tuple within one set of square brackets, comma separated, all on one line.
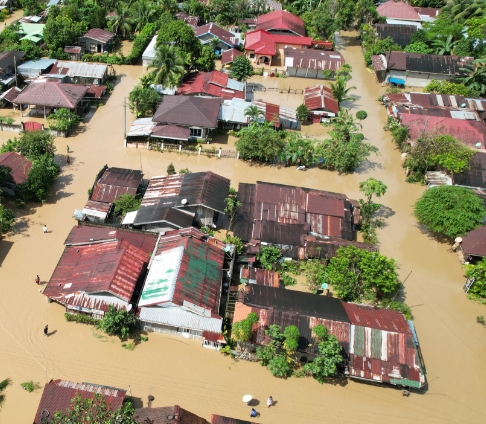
[(67, 148), (253, 413), (44, 229), (46, 330), (37, 280), (269, 402), (68, 160)]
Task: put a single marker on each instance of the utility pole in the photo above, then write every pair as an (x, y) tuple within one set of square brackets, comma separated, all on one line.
[(125, 117), (15, 68)]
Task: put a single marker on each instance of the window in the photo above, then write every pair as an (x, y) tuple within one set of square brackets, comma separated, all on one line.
[(92, 47), (196, 132)]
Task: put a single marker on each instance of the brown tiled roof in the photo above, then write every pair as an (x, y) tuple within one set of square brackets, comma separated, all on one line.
[(474, 243), (52, 94), (99, 34), (171, 131), (166, 414), (229, 55), (19, 165), (114, 182), (57, 397), (188, 111)]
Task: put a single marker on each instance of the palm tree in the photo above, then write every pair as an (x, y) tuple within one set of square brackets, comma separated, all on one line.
[(298, 151), (122, 21), (168, 66), (345, 127), (143, 13), (340, 91), (462, 10), (444, 47), (476, 76), (253, 113), (3, 386)]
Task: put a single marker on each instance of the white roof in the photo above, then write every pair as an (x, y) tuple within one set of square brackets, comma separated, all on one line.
[(235, 85), (234, 111), (141, 127), (149, 53), (129, 218), (178, 317), (95, 213), (162, 277), (404, 22)]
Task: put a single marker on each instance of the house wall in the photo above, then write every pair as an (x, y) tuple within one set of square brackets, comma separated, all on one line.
[(278, 60), (7, 65), (204, 216), (88, 45), (195, 131), (416, 79), (304, 72), (165, 329)]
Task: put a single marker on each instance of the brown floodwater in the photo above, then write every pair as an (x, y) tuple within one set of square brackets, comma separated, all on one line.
[(180, 371)]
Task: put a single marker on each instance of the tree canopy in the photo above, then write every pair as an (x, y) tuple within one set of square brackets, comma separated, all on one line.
[(62, 31), (242, 330), (450, 211), (126, 203), (143, 101), (478, 273), (260, 143), (118, 322), (241, 68)]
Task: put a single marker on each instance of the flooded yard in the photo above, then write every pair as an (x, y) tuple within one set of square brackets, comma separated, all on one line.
[(179, 371)]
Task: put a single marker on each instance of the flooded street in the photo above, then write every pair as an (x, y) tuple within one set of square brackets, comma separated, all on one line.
[(179, 371)]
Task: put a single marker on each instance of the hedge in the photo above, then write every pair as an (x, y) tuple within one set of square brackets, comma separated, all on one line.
[(83, 319)]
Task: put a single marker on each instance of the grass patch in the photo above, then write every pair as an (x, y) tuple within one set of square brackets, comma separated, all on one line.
[(129, 346)]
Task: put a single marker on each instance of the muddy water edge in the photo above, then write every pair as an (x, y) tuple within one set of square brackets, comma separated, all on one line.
[(180, 371)]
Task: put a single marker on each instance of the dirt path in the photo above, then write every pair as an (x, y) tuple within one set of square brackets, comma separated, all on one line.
[(176, 370)]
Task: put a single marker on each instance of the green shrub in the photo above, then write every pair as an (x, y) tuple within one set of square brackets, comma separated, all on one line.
[(83, 319), (30, 386), (129, 346)]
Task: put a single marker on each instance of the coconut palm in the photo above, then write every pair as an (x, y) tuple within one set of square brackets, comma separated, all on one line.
[(340, 91), (475, 78), (444, 47), (121, 22), (298, 151), (253, 113), (144, 11), (462, 10), (168, 66)]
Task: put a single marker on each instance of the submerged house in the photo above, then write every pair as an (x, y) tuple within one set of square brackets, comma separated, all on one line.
[(183, 289), (212, 84), (82, 72), (98, 268), (57, 395), (178, 201), (399, 13), (320, 102), (19, 167), (96, 40), (8, 63), (226, 40), (294, 219), (309, 63), (400, 34)]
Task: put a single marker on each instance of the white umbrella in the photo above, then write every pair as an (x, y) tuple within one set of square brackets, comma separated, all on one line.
[(247, 398)]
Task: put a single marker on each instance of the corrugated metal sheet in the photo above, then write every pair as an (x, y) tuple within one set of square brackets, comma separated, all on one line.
[(180, 318), (474, 242), (313, 59), (94, 302), (115, 182), (112, 267), (99, 34), (166, 414), (219, 419), (214, 83), (400, 34), (97, 209), (319, 97), (426, 63), (18, 164), (264, 277), (57, 396), (380, 319), (80, 69), (475, 176)]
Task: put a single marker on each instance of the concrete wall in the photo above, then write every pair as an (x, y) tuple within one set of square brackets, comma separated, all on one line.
[(416, 79), (304, 72)]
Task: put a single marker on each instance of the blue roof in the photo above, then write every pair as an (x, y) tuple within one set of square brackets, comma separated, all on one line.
[(37, 64), (53, 3)]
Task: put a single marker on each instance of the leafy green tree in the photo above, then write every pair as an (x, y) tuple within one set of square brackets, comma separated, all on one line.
[(450, 211), (371, 187), (279, 366), (118, 322), (32, 7), (269, 257), (444, 47), (122, 22), (7, 219), (62, 31), (298, 151), (206, 62), (419, 36), (143, 101), (476, 28), (475, 78), (303, 113), (181, 36), (260, 143), (236, 241), (418, 47), (4, 175), (448, 87), (462, 10), (361, 115), (241, 331), (314, 271), (39, 182), (32, 51), (292, 336), (126, 203), (357, 275), (232, 205), (253, 113), (3, 385), (241, 68), (477, 273), (143, 12), (63, 120), (340, 90), (276, 355), (34, 144), (95, 410), (366, 12), (168, 66), (329, 356), (171, 169)]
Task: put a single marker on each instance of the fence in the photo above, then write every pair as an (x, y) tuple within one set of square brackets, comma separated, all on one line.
[(258, 87), (174, 148), (19, 128)]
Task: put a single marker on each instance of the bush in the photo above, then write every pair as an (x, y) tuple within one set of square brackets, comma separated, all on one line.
[(126, 203), (236, 241), (82, 319), (118, 322), (269, 257), (361, 115), (39, 182), (7, 219), (171, 169), (260, 143), (30, 386), (451, 88), (287, 280), (303, 113)]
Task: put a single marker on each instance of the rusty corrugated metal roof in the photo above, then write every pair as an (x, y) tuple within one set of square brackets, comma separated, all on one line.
[(164, 415), (220, 419), (427, 63), (264, 277), (281, 20), (115, 182), (99, 34), (18, 164), (475, 176), (319, 97), (381, 319), (112, 267), (474, 242), (57, 396), (313, 59)]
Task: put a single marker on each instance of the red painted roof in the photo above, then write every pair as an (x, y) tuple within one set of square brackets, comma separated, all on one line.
[(319, 97), (281, 20), (57, 397), (85, 234), (211, 84), (99, 34), (112, 267), (263, 42), (468, 132), (95, 91), (19, 165), (229, 56), (398, 10), (380, 319)]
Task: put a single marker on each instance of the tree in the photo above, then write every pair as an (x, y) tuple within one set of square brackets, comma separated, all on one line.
[(7, 219), (63, 119), (33, 144), (292, 336), (276, 355), (206, 62), (253, 113), (122, 22), (358, 275), (143, 101), (418, 47), (444, 47), (340, 91), (298, 151), (462, 10), (279, 366), (269, 256), (62, 31), (329, 355), (4, 175), (93, 409), (260, 143), (371, 187), (477, 273), (232, 205), (118, 322), (126, 203), (242, 330), (32, 51), (448, 87), (168, 66), (3, 386), (361, 115), (314, 271), (303, 113), (241, 68), (181, 36), (143, 12), (475, 77), (32, 7), (171, 169), (39, 182), (450, 211)]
